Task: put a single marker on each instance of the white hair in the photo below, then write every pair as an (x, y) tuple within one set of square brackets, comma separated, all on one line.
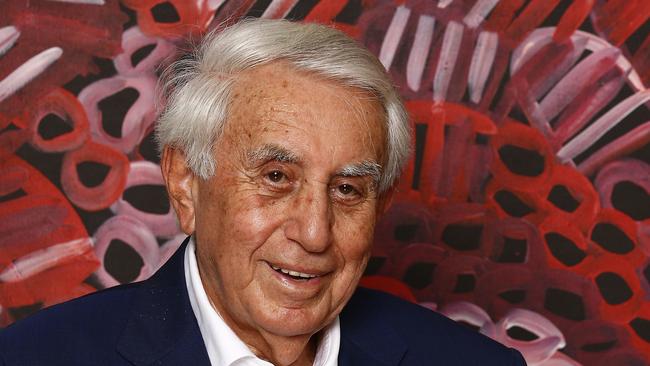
[(196, 88)]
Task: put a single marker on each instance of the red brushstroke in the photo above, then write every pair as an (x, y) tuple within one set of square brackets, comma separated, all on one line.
[(65, 105), (40, 218), (82, 31), (109, 190)]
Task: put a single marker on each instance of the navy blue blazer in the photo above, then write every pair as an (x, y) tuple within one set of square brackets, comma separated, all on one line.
[(152, 323)]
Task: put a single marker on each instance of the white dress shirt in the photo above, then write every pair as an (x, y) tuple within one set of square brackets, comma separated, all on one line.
[(223, 346)]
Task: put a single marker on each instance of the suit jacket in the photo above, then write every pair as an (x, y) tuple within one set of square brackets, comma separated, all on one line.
[(152, 323)]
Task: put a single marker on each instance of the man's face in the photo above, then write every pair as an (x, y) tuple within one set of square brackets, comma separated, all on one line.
[(284, 227)]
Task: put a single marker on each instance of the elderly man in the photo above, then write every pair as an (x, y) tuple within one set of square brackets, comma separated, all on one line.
[(281, 143)]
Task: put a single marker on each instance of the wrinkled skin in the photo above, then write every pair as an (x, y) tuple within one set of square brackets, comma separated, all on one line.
[(301, 214)]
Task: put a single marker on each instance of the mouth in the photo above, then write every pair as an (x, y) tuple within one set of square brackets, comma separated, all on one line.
[(294, 275)]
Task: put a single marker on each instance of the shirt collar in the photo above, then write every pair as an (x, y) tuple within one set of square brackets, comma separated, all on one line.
[(222, 344)]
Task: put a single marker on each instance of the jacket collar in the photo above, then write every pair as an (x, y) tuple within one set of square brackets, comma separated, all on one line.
[(372, 350), (162, 326), (367, 339)]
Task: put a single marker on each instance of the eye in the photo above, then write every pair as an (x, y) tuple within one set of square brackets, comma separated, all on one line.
[(276, 180), (346, 189), (275, 176), (347, 194)]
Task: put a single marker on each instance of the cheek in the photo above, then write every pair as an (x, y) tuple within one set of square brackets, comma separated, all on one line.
[(353, 248), (248, 222), (261, 213), (356, 238)]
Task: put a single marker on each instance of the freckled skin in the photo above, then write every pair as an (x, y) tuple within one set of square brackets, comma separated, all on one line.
[(243, 219)]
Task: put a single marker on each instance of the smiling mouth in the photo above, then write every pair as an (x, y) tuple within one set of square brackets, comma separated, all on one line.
[(299, 276)]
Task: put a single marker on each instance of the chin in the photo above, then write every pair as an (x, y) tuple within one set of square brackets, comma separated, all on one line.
[(294, 322)]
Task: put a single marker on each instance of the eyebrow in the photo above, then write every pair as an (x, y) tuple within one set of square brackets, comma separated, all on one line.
[(363, 169), (271, 152)]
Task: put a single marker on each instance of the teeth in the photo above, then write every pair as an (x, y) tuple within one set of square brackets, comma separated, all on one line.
[(293, 273)]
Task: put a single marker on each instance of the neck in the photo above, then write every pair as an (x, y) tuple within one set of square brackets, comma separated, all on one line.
[(279, 350), (297, 350), (287, 352)]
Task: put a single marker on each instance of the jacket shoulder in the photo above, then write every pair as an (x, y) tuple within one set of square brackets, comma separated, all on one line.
[(55, 335), (427, 334)]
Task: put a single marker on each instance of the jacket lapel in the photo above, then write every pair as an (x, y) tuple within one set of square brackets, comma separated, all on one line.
[(354, 353), (366, 340), (162, 327)]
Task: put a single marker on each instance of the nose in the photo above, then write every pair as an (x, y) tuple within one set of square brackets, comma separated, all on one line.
[(311, 220)]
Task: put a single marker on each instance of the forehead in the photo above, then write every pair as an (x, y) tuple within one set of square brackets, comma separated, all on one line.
[(277, 102)]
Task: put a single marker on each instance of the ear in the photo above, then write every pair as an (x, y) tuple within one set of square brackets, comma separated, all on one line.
[(179, 180)]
